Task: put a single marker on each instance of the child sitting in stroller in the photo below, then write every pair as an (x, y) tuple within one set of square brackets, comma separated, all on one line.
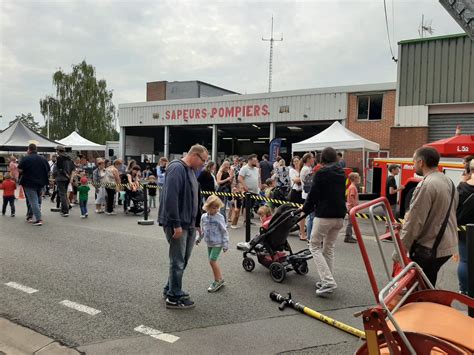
[(271, 246)]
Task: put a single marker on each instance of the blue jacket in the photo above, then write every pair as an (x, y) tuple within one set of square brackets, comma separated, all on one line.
[(214, 231), (179, 198), (34, 171)]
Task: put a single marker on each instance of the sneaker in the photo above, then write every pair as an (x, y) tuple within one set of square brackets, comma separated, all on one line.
[(64, 214), (99, 211), (185, 296), (325, 289), (83, 216), (86, 215), (110, 213), (243, 246), (234, 226), (319, 284), (215, 286), (179, 304), (350, 240), (29, 220), (38, 223), (13, 215)]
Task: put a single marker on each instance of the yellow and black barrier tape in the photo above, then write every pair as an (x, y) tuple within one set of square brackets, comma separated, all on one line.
[(259, 198)]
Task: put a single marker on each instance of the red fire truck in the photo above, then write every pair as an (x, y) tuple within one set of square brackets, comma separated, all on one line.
[(452, 167)]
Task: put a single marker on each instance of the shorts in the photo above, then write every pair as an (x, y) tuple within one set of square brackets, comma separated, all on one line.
[(213, 253)]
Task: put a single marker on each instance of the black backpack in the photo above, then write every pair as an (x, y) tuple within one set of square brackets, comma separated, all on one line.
[(308, 182), (465, 212)]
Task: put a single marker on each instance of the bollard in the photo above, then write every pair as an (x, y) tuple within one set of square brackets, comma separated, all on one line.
[(470, 264), (248, 215), (145, 221)]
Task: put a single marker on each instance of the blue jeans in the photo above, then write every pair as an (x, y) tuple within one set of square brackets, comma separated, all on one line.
[(179, 254), (462, 267), (83, 205), (33, 201), (309, 225)]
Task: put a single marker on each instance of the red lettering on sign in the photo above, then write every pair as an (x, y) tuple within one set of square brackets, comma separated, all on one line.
[(265, 111), (173, 115), (248, 111), (256, 110), (213, 111), (204, 113), (238, 111), (185, 114), (167, 114), (221, 112), (229, 112)]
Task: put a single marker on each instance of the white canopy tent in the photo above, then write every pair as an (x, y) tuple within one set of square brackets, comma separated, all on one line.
[(77, 142), (338, 137)]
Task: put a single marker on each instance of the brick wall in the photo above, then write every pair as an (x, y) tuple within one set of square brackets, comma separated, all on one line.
[(156, 91), (405, 140), (376, 131)]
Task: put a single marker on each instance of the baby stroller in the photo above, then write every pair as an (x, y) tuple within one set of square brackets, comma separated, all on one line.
[(272, 248), (136, 202)]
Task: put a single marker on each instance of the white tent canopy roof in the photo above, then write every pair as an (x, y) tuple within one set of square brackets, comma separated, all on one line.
[(336, 136), (77, 142)]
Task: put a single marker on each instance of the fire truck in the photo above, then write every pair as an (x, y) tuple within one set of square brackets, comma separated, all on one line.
[(452, 167)]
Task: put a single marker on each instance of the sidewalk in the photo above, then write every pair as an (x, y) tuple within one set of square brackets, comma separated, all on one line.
[(18, 340)]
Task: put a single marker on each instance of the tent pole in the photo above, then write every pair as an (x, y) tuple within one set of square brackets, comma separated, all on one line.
[(363, 168)]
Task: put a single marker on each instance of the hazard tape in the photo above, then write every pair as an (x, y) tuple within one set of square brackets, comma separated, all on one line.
[(258, 198)]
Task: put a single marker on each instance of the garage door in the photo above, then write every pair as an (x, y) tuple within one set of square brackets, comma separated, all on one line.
[(444, 126)]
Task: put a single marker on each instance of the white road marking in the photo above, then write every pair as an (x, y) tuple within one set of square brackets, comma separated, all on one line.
[(80, 307), (157, 334), (21, 287)]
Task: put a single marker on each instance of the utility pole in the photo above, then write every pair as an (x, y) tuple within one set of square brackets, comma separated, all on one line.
[(270, 66)]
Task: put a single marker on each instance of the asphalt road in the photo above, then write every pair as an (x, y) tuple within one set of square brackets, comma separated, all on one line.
[(112, 265)]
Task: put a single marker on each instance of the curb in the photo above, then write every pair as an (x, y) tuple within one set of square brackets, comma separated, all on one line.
[(18, 340)]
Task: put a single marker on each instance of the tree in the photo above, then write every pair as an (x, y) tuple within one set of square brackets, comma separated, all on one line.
[(28, 120), (82, 103)]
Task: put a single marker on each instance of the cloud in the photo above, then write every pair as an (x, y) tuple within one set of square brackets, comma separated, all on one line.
[(326, 43)]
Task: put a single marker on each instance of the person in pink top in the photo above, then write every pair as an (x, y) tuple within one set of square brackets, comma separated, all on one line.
[(13, 168), (352, 200)]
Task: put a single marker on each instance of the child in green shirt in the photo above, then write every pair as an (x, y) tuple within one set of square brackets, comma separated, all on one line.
[(83, 190)]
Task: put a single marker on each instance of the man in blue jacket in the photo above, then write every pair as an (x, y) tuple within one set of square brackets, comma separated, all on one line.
[(34, 171), (179, 214), (327, 200)]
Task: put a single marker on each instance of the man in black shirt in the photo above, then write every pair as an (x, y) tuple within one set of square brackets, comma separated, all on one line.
[(34, 177), (327, 200), (266, 169), (391, 187)]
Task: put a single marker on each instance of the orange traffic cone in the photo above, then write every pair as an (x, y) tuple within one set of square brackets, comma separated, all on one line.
[(21, 195)]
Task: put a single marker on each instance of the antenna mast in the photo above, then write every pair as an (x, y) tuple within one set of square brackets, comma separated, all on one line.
[(270, 65)]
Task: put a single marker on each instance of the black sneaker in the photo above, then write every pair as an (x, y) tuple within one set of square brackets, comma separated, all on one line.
[(38, 223), (64, 214), (179, 304), (185, 296), (350, 240)]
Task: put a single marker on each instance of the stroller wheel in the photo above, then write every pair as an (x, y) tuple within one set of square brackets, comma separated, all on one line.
[(302, 268), (277, 272), (248, 264)]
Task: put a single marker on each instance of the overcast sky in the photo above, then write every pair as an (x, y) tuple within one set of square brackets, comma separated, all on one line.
[(326, 43)]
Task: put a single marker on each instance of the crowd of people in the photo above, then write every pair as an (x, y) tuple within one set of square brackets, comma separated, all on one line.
[(191, 208)]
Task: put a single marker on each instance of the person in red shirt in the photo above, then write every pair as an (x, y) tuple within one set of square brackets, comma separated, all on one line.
[(9, 187), (352, 200)]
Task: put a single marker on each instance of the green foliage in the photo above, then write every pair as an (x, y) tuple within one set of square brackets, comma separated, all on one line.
[(81, 103), (28, 120)]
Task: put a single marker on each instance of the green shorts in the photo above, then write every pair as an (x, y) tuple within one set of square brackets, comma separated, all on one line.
[(213, 252)]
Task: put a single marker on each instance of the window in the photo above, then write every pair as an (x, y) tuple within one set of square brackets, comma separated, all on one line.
[(285, 109), (369, 107)]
